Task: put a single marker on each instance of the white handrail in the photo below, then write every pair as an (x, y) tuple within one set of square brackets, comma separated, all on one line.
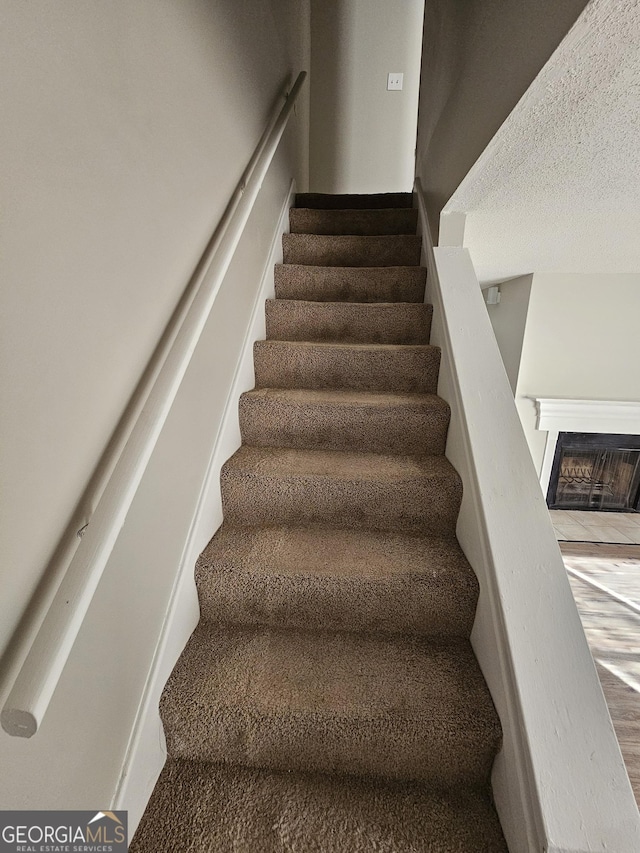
[(40, 648)]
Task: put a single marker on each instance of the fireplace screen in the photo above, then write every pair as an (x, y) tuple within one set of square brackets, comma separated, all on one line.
[(594, 471)]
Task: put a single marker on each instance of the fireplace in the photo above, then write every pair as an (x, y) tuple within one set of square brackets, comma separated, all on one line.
[(593, 471)]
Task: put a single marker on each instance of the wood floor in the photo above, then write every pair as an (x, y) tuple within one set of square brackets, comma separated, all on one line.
[(610, 614)]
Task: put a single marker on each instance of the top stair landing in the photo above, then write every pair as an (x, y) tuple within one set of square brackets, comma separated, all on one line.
[(352, 201), (365, 223)]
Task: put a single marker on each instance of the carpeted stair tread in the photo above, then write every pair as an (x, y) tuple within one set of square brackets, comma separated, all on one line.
[(363, 367), (335, 419), (391, 706), (350, 466), (350, 284), (363, 222), (353, 201), (348, 322), (391, 250), (361, 491), (338, 580), (211, 808)]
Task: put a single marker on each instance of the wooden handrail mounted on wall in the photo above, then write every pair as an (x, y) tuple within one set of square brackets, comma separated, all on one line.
[(38, 652)]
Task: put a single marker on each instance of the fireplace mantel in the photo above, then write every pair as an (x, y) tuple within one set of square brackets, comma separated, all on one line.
[(558, 414)]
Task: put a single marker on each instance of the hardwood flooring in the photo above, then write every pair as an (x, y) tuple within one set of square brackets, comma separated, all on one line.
[(610, 616)]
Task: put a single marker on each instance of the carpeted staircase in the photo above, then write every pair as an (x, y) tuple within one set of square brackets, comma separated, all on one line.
[(329, 700)]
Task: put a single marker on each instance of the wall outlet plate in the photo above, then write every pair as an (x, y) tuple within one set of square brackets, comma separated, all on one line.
[(394, 81)]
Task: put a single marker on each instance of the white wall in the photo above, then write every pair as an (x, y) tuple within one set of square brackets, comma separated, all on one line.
[(479, 57), (362, 136), (508, 318), (125, 129), (580, 341)]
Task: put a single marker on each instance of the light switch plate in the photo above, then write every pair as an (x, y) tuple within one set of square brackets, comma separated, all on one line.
[(394, 81)]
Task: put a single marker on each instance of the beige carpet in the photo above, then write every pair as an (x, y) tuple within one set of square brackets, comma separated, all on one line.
[(329, 699)]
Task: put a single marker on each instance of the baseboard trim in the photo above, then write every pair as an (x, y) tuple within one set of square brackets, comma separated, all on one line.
[(146, 751)]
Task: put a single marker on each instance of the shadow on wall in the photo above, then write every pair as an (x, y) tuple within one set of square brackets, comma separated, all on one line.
[(362, 135), (479, 58), (327, 95)]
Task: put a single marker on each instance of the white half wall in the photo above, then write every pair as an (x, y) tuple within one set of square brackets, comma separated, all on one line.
[(559, 781), (363, 136), (126, 127), (580, 342)]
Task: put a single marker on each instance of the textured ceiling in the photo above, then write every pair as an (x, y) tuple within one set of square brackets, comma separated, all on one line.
[(558, 187)]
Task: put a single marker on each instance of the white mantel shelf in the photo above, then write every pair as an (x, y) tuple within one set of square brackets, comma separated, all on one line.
[(607, 416)]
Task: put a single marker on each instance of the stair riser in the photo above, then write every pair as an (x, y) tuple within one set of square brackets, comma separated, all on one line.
[(321, 814), (414, 604), (366, 201), (291, 366), (362, 704), (386, 746), (418, 505), (362, 222), (342, 284), (402, 429), (291, 320), (341, 251)]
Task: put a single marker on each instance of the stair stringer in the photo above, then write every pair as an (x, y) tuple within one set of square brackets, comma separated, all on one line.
[(146, 752)]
